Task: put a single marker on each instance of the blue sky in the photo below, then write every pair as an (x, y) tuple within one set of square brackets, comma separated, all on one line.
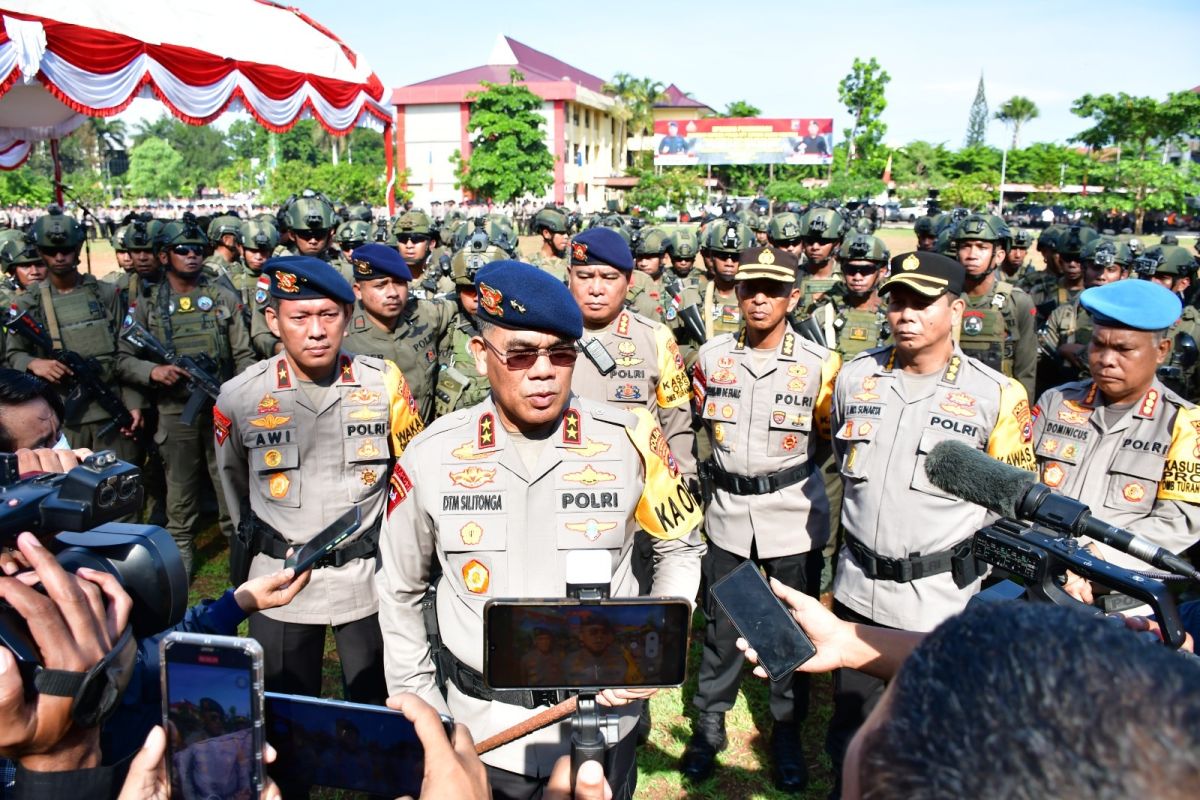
[(787, 57)]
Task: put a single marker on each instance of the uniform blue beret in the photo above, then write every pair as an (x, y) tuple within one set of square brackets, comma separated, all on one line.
[(376, 260), (602, 246), (306, 278), (520, 296), (1137, 304)]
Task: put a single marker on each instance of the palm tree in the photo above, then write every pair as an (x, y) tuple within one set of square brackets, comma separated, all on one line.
[(1016, 111), (621, 87)]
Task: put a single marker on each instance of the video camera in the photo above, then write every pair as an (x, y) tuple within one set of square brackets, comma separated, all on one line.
[(78, 508)]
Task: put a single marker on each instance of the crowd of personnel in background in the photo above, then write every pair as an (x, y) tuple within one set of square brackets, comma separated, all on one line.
[(730, 331)]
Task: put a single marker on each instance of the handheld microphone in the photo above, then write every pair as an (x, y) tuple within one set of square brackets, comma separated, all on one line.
[(976, 477)]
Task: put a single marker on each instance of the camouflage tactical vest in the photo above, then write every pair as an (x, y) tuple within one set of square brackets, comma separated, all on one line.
[(83, 322), (194, 323), (858, 331), (459, 384), (721, 311), (985, 328)]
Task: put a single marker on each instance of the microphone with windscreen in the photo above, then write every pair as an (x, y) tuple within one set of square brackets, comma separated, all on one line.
[(966, 473)]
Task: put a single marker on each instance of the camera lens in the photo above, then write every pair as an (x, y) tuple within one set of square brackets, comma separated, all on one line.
[(106, 495), (128, 487)]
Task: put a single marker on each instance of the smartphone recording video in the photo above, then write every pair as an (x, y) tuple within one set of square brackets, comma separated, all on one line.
[(565, 644)]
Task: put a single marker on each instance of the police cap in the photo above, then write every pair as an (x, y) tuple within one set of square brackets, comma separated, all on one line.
[(602, 246), (519, 296), (1140, 305), (770, 263), (373, 261), (926, 272), (306, 278)]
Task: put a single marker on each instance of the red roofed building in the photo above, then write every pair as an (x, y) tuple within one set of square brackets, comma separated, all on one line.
[(431, 124), (677, 105)]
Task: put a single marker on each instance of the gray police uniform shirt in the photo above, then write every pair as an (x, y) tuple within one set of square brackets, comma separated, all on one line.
[(881, 435), (765, 416), (650, 373), (302, 464), (461, 494), (1138, 470)]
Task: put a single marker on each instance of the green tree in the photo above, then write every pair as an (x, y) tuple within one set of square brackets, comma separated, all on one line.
[(674, 187), (509, 157), (920, 163), (862, 93), (25, 187), (741, 108), (1142, 129), (1015, 112), (155, 169), (202, 148), (246, 140), (977, 120), (972, 191)]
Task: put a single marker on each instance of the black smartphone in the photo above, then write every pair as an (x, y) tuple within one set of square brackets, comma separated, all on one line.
[(342, 745), (212, 689), (746, 597), (325, 542), (568, 644)]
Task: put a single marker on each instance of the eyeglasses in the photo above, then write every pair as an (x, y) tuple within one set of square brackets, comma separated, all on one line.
[(411, 238), (859, 269), (188, 250), (560, 355), (310, 234)]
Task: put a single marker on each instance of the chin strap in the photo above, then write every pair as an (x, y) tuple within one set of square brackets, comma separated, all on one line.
[(94, 694)]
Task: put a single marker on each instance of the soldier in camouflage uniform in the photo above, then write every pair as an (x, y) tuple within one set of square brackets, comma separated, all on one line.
[(225, 234), (783, 231), (1174, 268), (124, 257), (1015, 268), (414, 236), (22, 265), (351, 234), (82, 315), (1043, 286), (550, 225), (649, 248), (459, 384), (683, 249), (998, 325), (391, 324), (822, 230), (189, 314), (138, 241), (311, 222), (923, 227)]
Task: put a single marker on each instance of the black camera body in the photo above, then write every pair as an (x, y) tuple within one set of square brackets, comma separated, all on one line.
[(99, 490)]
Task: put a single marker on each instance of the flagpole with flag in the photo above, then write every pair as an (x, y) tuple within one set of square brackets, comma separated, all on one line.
[(887, 170)]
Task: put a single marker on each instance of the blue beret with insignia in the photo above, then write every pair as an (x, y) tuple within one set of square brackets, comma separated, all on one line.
[(1140, 305), (306, 278), (602, 246), (376, 260), (520, 296)]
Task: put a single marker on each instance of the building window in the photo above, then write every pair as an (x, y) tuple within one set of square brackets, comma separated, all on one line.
[(575, 114), (587, 118)]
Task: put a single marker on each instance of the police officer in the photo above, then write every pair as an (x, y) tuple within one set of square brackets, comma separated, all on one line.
[(890, 406), (225, 237), (306, 436), (459, 383), (551, 228), (500, 496), (1174, 268), (414, 236), (83, 315), (387, 323), (190, 314), (998, 325), (821, 230), (1121, 441), (22, 264), (764, 396)]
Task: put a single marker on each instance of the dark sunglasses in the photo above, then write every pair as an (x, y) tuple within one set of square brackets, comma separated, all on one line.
[(310, 234), (56, 251), (411, 238), (859, 269), (560, 355), (188, 250)]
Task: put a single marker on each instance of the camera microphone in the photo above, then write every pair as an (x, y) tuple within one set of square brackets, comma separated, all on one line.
[(966, 473)]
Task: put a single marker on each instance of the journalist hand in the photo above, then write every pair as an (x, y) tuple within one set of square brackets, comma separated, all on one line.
[(451, 771), (1147, 624), (877, 651), (46, 460), (74, 624), (148, 778), (270, 591), (620, 697), (590, 783)]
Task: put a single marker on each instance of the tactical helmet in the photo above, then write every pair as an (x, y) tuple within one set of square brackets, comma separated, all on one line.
[(259, 235), (946, 244), (864, 225), (140, 234), (684, 243), (822, 223), (615, 222), (494, 229), (1172, 260), (226, 223), (727, 235), (381, 233), (650, 242), (56, 229), (1104, 251), (1048, 240), (924, 226), (783, 227), (550, 218), (1072, 241), (310, 211), (18, 253), (415, 223), (352, 233), (448, 227), (118, 237), (466, 263), (858, 246), (1021, 239), (983, 228), (182, 231), (360, 212)]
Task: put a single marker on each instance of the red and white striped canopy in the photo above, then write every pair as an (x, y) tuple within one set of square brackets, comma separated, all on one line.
[(62, 61)]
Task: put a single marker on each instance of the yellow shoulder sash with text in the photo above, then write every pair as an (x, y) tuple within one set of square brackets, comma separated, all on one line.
[(666, 509), (1181, 474), (406, 421), (822, 413), (674, 387), (1011, 440)]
